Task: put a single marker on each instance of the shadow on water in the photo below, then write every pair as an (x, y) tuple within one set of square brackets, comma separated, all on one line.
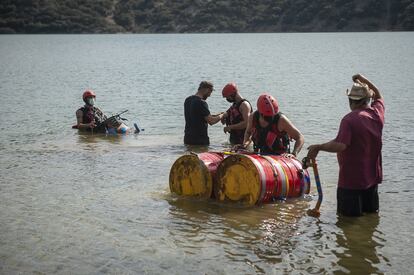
[(361, 243)]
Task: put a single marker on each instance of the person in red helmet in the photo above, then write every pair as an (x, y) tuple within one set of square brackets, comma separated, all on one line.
[(270, 130), (89, 117), (237, 116)]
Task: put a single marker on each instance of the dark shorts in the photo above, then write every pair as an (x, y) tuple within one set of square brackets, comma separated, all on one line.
[(356, 202)]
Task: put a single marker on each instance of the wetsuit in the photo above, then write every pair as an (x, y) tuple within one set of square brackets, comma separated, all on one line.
[(269, 140), (234, 116)]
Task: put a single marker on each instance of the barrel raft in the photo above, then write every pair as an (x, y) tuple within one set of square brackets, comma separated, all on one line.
[(194, 174), (246, 179), (252, 179)]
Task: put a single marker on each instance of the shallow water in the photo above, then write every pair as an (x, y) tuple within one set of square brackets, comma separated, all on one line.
[(86, 204)]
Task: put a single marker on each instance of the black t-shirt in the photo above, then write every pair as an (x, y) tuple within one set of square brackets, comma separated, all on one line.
[(195, 110)]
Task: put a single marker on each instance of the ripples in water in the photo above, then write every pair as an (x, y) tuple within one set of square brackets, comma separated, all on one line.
[(84, 204)]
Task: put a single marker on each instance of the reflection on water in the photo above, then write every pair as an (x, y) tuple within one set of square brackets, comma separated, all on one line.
[(359, 239), (226, 147), (197, 148), (265, 231), (93, 138)]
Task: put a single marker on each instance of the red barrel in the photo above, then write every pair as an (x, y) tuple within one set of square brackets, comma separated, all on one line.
[(194, 174), (255, 179)]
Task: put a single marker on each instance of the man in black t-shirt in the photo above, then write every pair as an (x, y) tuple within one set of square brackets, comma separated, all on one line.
[(197, 116)]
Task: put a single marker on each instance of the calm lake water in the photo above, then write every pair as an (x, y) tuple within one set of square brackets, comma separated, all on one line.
[(86, 204)]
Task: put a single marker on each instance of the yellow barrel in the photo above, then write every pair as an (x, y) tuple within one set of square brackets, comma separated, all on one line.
[(194, 174)]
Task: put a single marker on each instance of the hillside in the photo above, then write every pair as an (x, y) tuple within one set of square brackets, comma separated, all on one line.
[(162, 16)]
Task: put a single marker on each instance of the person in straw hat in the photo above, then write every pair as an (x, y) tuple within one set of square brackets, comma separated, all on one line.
[(358, 146)]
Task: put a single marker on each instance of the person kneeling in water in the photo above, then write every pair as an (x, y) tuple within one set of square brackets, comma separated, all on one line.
[(89, 117)]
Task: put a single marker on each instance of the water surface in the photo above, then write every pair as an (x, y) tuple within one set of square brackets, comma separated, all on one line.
[(86, 204)]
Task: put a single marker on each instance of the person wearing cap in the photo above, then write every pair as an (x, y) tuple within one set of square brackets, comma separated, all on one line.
[(89, 117), (270, 130), (358, 146), (198, 117), (237, 116)]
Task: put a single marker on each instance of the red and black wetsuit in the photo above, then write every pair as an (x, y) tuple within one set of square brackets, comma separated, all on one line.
[(269, 140), (234, 116), (91, 113)]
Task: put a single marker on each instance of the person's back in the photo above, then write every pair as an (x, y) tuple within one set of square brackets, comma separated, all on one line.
[(195, 110), (360, 162)]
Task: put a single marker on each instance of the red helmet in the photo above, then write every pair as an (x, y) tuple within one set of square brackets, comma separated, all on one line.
[(267, 105), (229, 89), (88, 93)]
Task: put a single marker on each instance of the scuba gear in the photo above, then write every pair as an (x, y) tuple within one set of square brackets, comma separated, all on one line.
[(234, 116), (90, 101), (90, 114), (113, 121), (111, 125)]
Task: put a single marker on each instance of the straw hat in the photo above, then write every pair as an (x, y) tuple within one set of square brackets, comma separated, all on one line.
[(359, 91)]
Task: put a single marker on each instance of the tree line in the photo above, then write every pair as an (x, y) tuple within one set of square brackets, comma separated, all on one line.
[(162, 16)]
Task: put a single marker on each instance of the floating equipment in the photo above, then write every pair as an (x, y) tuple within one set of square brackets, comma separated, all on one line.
[(256, 179), (112, 125), (121, 129), (194, 174)]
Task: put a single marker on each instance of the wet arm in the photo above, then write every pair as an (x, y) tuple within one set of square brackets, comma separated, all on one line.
[(213, 119), (293, 132), (248, 133), (330, 146)]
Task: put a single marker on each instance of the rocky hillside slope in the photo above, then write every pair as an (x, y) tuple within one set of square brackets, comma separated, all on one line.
[(163, 16)]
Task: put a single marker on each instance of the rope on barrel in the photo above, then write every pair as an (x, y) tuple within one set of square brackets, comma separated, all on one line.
[(274, 175)]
